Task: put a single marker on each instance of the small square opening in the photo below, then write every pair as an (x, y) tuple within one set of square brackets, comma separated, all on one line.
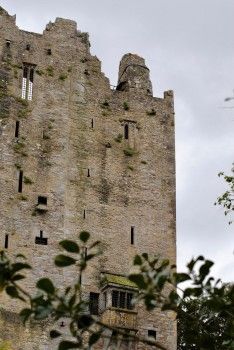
[(42, 200), (152, 334)]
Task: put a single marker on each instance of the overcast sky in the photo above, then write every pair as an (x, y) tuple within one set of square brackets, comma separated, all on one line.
[(189, 47)]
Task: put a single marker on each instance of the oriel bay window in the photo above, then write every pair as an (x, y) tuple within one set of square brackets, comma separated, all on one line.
[(122, 300)]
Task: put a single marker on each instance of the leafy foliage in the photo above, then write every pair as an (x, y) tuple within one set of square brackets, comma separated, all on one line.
[(204, 309), (227, 199)]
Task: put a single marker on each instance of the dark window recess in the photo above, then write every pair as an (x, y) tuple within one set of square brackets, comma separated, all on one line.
[(20, 185), (92, 123), (31, 75), (122, 300), (94, 303), (8, 43), (88, 174), (132, 234), (28, 47), (41, 240), (126, 131), (129, 301), (152, 333), (115, 298), (42, 200), (49, 52), (17, 124), (105, 299), (25, 72), (6, 241), (84, 214)]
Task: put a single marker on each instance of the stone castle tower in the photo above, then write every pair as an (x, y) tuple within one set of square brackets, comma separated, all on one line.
[(77, 155)]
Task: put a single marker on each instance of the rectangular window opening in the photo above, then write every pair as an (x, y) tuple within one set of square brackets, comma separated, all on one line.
[(122, 300), (88, 173), (92, 123), (126, 131), (49, 52), (27, 83), (115, 298), (42, 200), (17, 124), (28, 47), (20, 184), (129, 301), (152, 334), (6, 241), (8, 43), (94, 303), (41, 240), (84, 214), (132, 234)]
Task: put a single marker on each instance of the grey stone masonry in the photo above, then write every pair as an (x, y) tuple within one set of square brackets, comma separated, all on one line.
[(77, 155)]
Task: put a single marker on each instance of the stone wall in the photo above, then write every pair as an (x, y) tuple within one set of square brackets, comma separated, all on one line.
[(71, 148)]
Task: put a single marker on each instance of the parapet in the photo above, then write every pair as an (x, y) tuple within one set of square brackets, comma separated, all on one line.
[(134, 74)]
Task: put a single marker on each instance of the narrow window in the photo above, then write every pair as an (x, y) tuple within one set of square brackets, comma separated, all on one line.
[(152, 334), (41, 240), (105, 299), (24, 82), (27, 83), (94, 303), (84, 214), (30, 84), (129, 301), (28, 47), (42, 200), (132, 234), (6, 241), (17, 124), (92, 123), (115, 298), (49, 52), (88, 173), (20, 185), (8, 44), (126, 131), (122, 299)]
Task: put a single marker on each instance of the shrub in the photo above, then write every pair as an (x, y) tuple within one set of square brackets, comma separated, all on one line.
[(119, 138), (62, 77), (126, 106), (27, 180), (129, 152)]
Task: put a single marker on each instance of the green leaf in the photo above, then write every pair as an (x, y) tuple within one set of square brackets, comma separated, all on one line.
[(18, 277), (205, 269), (20, 266), (70, 246), (182, 277), (46, 285), (72, 300), (85, 321), (139, 280), (65, 345), (137, 260), (64, 260), (12, 292), (55, 334), (84, 236), (25, 314), (145, 256), (94, 338)]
